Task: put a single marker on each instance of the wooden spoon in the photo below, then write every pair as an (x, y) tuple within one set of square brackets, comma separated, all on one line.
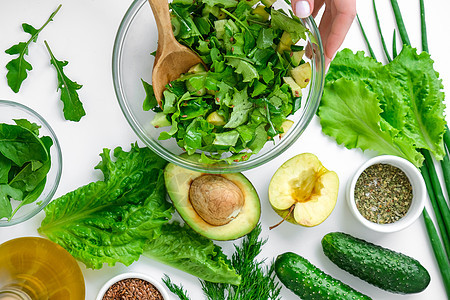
[(172, 59)]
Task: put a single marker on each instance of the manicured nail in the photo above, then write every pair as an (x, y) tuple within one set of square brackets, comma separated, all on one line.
[(302, 9)]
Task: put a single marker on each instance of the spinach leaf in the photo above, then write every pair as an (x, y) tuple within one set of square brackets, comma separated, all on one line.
[(20, 145), (5, 204)]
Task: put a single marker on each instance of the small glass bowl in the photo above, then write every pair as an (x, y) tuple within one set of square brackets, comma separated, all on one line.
[(137, 38), (123, 276), (8, 112), (418, 188)]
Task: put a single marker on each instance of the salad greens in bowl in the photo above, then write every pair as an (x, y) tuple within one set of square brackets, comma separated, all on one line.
[(257, 90), (30, 163)]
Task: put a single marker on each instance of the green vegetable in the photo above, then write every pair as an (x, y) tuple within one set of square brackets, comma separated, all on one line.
[(73, 108), (258, 280), (384, 268), (126, 215), (437, 246), (242, 84), (24, 164), (441, 258), (405, 100), (309, 282), (18, 67), (440, 200)]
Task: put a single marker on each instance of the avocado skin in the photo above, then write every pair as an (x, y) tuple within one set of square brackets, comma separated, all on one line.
[(381, 267), (309, 282)]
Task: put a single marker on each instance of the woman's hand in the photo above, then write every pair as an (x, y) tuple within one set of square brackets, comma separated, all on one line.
[(335, 23)]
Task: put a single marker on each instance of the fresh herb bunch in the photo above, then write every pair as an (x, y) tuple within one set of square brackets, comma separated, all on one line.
[(258, 281), (24, 164), (244, 98)]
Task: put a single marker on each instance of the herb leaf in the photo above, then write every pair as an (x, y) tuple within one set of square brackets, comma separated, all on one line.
[(73, 108), (18, 67)]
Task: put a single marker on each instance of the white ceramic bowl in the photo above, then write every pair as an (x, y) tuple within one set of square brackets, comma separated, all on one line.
[(418, 187), (142, 276)]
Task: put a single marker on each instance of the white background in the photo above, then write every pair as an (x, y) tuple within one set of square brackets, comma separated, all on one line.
[(83, 33)]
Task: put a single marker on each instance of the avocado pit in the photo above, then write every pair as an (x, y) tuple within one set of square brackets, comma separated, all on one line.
[(216, 199)]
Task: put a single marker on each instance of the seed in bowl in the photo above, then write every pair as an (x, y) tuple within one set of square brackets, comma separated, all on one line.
[(133, 288), (383, 193)]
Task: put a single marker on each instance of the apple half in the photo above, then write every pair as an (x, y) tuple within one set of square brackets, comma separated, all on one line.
[(302, 191)]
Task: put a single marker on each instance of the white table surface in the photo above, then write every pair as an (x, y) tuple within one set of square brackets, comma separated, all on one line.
[(83, 33)]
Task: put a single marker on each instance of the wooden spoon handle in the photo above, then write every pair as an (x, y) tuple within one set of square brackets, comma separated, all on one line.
[(161, 12)]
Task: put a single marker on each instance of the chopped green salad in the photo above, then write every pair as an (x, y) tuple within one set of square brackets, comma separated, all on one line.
[(253, 81)]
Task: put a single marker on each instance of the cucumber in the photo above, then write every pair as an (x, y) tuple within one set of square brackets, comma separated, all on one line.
[(381, 267), (309, 282)]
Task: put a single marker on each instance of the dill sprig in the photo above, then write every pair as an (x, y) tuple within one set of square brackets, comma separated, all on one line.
[(176, 289), (258, 279)]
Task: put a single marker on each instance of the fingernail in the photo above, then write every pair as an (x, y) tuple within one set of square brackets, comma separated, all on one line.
[(302, 9)]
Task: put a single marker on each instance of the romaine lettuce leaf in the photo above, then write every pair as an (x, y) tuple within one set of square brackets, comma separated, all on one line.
[(126, 215), (110, 221), (183, 248)]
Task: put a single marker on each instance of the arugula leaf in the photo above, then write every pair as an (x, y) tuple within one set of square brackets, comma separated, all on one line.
[(73, 108), (244, 68), (279, 20), (265, 38), (241, 108), (18, 67), (150, 101), (224, 3)]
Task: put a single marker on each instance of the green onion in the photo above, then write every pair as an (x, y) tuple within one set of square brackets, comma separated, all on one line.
[(424, 27), (445, 164), (365, 38), (394, 44), (442, 260), (442, 205), (386, 53), (400, 24), (439, 221)]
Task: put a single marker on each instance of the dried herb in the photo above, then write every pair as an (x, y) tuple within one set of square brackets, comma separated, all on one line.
[(383, 193)]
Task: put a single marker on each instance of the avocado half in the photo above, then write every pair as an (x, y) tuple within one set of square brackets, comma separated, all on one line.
[(179, 180)]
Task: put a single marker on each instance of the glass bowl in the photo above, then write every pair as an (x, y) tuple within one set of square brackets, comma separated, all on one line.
[(8, 112), (137, 38)]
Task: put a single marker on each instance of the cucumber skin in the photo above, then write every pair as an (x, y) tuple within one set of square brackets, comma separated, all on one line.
[(381, 267), (309, 282)]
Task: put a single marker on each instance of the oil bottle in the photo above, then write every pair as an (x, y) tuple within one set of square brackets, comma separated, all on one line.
[(34, 268)]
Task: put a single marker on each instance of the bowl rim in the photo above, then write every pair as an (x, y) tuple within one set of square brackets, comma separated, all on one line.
[(311, 103), (419, 193), (138, 275), (58, 163)]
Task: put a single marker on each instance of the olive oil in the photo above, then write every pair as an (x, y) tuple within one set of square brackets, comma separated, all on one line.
[(33, 268)]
